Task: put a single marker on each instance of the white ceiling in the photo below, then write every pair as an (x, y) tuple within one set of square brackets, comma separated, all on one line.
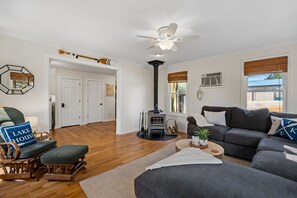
[(109, 27)]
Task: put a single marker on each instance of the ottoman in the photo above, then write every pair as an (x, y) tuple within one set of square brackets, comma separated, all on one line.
[(63, 162)]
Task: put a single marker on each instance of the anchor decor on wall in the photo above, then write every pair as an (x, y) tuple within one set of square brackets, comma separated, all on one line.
[(104, 61)]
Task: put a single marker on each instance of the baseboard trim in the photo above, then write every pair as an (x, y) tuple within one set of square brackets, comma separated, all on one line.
[(108, 120), (129, 131)]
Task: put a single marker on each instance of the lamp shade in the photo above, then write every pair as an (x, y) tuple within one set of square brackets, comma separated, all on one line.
[(33, 121), (166, 44)]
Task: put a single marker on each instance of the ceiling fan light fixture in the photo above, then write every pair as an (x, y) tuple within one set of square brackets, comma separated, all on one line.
[(166, 45)]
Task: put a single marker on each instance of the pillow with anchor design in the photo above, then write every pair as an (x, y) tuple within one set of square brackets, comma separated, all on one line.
[(287, 129), (21, 134)]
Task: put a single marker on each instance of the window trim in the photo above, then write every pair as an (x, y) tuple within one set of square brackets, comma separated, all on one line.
[(169, 101), (244, 83)]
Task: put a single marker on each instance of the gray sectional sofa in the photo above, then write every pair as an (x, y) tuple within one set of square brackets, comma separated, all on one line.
[(272, 173)]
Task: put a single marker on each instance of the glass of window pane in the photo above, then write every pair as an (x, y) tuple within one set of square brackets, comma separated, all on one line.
[(265, 91)]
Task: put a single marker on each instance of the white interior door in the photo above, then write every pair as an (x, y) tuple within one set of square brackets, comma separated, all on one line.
[(70, 102), (95, 101)]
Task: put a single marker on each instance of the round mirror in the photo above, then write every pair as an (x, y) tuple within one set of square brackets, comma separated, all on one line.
[(15, 80)]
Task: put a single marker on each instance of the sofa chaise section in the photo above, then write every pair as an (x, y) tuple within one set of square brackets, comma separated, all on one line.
[(225, 180)]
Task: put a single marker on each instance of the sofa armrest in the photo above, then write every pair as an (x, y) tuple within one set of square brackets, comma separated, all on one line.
[(191, 119), (6, 154)]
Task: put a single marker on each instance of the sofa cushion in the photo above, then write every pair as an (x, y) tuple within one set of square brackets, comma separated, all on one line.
[(280, 139), (217, 132), (219, 109), (37, 148), (281, 164), (275, 122), (268, 144), (283, 115), (257, 120), (200, 120), (244, 137), (218, 118), (287, 129), (225, 180)]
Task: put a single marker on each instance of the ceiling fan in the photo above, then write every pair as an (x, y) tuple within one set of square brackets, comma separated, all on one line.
[(167, 40)]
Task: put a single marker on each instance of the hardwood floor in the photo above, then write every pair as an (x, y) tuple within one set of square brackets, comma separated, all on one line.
[(106, 151)]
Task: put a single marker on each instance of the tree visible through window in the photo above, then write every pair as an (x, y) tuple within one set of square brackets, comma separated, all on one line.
[(178, 97), (266, 91)]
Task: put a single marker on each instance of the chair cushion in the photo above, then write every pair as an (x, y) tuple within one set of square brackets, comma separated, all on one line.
[(244, 137), (268, 144), (217, 132), (37, 148), (66, 154), (15, 115), (20, 134), (281, 164), (256, 120)]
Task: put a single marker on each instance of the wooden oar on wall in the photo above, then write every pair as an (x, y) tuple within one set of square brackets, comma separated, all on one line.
[(104, 61)]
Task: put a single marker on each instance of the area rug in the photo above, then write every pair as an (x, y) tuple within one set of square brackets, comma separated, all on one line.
[(119, 182)]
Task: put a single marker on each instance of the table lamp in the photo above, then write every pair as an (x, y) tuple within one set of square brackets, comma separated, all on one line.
[(33, 122)]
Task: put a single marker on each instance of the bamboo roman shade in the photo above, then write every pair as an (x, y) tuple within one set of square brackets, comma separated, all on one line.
[(270, 65), (178, 77)]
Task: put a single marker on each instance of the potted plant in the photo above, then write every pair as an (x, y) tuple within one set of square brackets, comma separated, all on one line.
[(203, 136), (195, 138)]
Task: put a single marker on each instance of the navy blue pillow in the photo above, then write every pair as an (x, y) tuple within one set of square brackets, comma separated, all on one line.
[(287, 129), (20, 134)]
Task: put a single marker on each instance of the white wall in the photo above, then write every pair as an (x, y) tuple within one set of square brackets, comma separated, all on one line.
[(231, 65), (108, 102), (137, 95), (136, 83), (31, 55)]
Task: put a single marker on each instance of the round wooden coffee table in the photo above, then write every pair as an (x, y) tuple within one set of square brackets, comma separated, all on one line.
[(213, 148)]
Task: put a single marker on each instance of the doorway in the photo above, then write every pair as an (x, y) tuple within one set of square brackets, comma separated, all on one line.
[(71, 102), (80, 65), (95, 101)]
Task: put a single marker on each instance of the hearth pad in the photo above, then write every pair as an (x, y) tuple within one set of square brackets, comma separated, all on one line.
[(155, 136)]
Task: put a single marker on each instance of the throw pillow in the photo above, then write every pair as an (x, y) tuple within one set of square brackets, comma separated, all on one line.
[(20, 134), (275, 122), (201, 120), (287, 129), (7, 123), (218, 118)]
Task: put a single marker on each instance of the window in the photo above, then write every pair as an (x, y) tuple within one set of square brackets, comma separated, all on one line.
[(266, 83), (177, 92), (266, 91), (178, 97)]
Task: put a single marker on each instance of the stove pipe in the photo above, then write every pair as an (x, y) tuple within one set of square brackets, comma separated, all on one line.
[(155, 64)]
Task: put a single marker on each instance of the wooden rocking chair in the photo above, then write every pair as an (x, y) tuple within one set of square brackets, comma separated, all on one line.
[(22, 163)]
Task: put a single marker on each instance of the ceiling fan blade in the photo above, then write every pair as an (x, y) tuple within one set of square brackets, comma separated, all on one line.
[(177, 39), (171, 29), (151, 47), (174, 48), (147, 37), (186, 38)]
